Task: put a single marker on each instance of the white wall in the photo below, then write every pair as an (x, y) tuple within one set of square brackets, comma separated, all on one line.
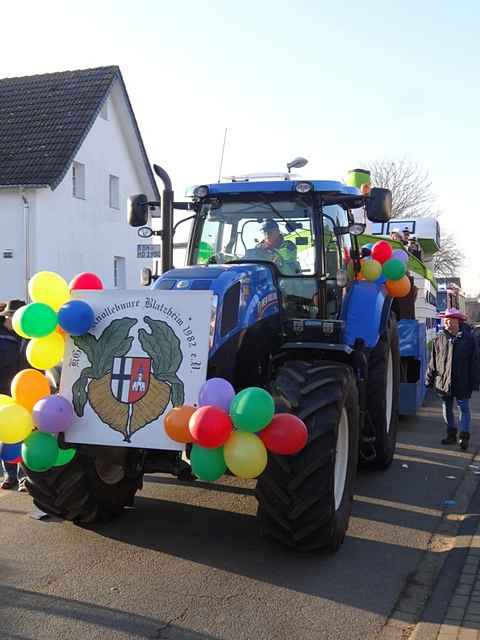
[(75, 235), (12, 238), (70, 235)]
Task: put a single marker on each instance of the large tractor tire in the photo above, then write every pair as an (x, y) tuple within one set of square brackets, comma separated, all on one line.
[(76, 492), (305, 500), (383, 394)]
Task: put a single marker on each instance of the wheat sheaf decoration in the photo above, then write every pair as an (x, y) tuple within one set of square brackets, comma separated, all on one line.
[(160, 384)]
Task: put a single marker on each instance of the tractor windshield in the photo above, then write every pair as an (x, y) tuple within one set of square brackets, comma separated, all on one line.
[(278, 231)]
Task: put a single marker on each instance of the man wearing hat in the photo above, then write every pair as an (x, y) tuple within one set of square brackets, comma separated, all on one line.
[(453, 373), (285, 250), (406, 235), (12, 360)]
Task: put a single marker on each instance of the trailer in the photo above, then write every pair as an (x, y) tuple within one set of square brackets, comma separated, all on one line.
[(418, 312)]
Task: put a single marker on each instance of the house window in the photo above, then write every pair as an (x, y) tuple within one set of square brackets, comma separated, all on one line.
[(104, 110), (119, 273), (78, 178), (114, 192)]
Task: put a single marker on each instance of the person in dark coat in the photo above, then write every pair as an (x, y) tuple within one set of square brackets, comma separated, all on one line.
[(453, 373), (12, 360)]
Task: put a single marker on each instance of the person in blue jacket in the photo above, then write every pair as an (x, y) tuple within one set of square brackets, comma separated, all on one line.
[(453, 373)]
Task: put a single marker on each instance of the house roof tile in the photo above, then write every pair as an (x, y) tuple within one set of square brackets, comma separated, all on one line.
[(44, 120)]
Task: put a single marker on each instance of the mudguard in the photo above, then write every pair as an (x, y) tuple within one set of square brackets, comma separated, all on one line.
[(365, 311)]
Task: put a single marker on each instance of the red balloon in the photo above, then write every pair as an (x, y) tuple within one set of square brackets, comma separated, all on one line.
[(210, 426), (286, 434), (382, 251), (85, 280)]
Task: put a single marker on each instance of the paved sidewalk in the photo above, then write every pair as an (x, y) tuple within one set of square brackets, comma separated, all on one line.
[(462, 619)]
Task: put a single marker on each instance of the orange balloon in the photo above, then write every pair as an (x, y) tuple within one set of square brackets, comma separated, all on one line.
[(398, 288), (176, 423), (59, 330), (29, 386)]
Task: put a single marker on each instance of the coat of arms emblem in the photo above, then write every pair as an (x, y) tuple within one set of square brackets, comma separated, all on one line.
[(129, 392)]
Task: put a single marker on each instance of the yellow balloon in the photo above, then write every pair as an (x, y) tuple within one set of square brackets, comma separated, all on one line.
[(50, 288), (4, 400), (16, 423), (45, 353), (16, 323), (245, 454)]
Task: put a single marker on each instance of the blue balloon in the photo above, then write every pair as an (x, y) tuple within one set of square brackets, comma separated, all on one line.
[(381, 280), (9, 452), (76, 317)]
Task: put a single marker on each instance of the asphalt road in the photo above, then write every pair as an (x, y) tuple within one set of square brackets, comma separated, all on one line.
[(187, 563)]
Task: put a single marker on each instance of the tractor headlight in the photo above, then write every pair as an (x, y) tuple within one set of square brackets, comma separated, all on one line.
[(201, 192), (303, 187), (357, 228)]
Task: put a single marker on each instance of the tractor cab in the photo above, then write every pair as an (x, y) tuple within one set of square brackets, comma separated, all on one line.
[(304, 229)]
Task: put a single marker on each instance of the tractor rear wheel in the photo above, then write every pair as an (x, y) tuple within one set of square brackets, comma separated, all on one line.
[(76, 492), (305, 500), (383, 393)]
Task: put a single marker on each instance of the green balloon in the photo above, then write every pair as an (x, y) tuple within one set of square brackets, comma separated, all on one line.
[(394, 269), (207, 464), (205, 251), (37, 320), (40, 451), (64, 457), (252, 409)]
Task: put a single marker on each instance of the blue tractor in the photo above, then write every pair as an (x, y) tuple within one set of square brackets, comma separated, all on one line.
[(288, 316), (289, 319)]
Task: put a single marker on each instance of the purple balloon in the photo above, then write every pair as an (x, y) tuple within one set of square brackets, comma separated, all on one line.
[(216, 392), (53, 414), (401, 255)]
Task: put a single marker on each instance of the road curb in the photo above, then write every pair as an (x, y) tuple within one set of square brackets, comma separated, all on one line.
[(405, 619)]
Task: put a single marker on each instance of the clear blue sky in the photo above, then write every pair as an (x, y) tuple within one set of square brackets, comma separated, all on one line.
[(341, 83)]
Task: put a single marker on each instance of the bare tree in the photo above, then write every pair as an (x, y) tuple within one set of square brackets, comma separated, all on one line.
[(412, 197), (449, 259), (411, 188)]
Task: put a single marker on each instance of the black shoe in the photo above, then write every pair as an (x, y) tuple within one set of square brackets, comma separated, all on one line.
[(451, 437), (463, 439)]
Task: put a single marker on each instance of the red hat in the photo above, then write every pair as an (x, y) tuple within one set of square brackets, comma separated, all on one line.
[(453, 313)]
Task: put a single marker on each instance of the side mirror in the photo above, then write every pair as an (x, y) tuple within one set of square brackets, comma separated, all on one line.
[(379, 205), (137, 214)]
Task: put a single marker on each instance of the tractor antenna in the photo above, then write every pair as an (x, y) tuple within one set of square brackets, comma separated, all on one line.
[(222, 154)]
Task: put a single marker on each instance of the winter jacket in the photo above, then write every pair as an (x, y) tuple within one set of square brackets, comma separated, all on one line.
[(12, 357), (453, 369)]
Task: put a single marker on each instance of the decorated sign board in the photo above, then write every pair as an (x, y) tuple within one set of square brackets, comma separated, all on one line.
[(146, 353)]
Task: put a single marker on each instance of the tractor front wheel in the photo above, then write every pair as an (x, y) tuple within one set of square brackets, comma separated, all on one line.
[(305, 500), (76, 491)]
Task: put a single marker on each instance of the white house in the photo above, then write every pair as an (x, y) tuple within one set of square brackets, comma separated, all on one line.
[(71, 154)]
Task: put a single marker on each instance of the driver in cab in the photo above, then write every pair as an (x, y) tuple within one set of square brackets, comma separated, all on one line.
[(285, 250)]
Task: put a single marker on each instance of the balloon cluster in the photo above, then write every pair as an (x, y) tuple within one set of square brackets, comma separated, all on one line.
[(234, 431), (31, 417), (30, 420), (382, 264), (52, 314)]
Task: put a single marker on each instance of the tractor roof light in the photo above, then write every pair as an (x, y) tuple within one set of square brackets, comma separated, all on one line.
[(201, 192), (303, 187)]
